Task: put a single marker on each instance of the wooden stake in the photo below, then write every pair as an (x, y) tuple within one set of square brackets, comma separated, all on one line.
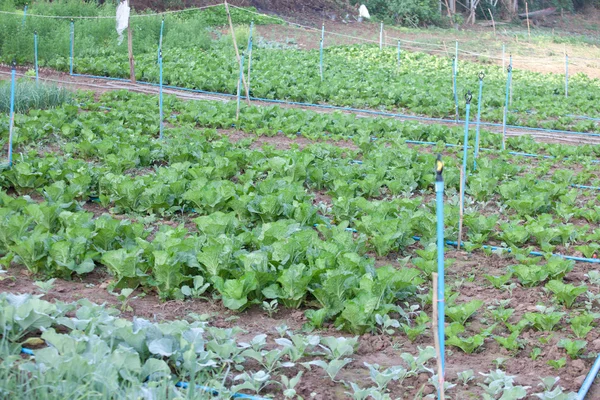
[(436, 337), (461, 211), (237, 52), (130, 50), (527, 15), (493, 22)]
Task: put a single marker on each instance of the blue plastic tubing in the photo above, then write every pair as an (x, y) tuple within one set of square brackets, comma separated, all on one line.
[(589, 380), (11, 129), (35, 56), (240, 80), (478, 123), (439, 194), (160, 96), (321, 52), (454, 71), (465, 156), (506, 106), (566, 75), (185, 385), (250, 42), (71, 47), (160, 38), (349, 109)]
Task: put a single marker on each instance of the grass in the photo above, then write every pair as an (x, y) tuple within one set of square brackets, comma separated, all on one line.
[(30, 94)]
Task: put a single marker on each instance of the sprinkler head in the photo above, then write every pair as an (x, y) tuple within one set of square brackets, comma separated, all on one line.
[(509, 69), (439, 168), (468, 97), (14, 63), (481, 76)]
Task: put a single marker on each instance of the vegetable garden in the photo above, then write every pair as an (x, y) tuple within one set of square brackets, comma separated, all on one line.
[(316, 222)]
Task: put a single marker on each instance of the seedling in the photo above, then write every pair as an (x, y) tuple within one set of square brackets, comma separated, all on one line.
[(466, 376), (582, 324), (45, 286), (270, 307), (535, 353), (558, 364), (572, 347), (565, 293)]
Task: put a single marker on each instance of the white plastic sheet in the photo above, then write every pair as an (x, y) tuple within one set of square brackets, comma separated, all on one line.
[(122, 18), (363, 12)]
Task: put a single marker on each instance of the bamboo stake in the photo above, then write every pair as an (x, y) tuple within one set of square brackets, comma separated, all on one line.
[(436, 338), (237, 52), (527, 15), (130, 50)]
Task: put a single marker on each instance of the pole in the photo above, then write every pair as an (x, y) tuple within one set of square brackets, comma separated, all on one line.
[(160, 96), (35, 56), (503, 52), (130, 51), (436, 338), (160, 38), (510, 88), (566, 75), (11, 128), (509, 69), (439, 193), (72, 47), (456, 56), (461, 211), (24, 14), (527, 15), (454, 67), (481, 76), (239, 88), (237, 51), (468, 98), (381, 37), (250, 42), (321, 52), (399, 53)]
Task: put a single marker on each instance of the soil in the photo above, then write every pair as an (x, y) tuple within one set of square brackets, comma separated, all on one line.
[(466, 275)]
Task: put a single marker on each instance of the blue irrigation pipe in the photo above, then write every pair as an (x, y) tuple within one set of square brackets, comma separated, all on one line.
[(589, 379), (439, 193), (478, 123), (160, 38), (11, 128), (160, 94), (250, 43), (348, 109), (35, 56), (321, 52), (381, 37), (463, 182), (399, 54), (566, 75), (183, 385), (71, 47), (24, 14), (454, 90), (508, 78), (214, 392)]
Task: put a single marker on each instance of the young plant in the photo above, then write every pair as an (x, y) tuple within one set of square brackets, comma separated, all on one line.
[(572, 347), (465, 377), (289, 385), (565, 293), (468, 345), (558, 364), (499, 281), (511, 342), (419, 327), (582, 324), (545, 320), (594, 277), (332, 367), (270, 307), (383, 378), (535, 353), (461, 313), (198, 290), (386, 324), (45, 286)]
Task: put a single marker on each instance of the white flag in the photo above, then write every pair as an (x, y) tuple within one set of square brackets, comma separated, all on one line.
[(363, 12), (122, 18)]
